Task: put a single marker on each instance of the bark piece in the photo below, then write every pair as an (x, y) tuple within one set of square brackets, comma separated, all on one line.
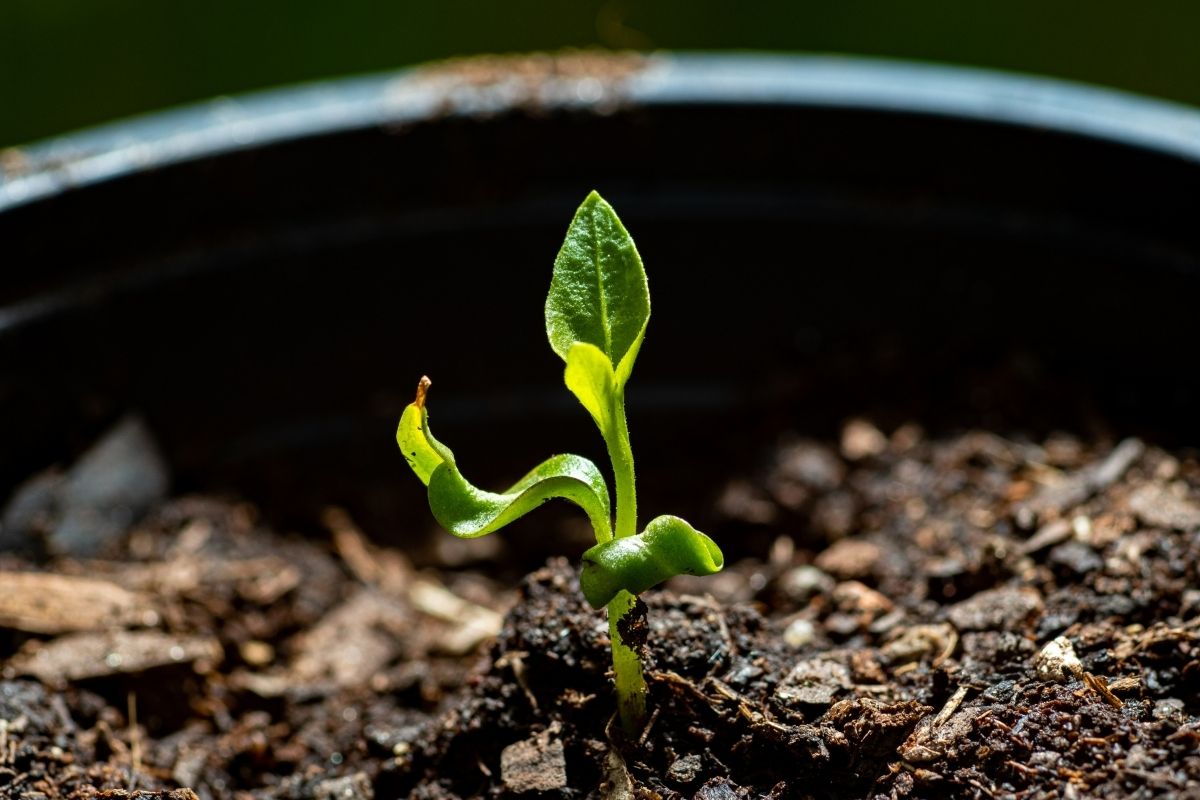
[(1005, 608), (536, 764), (1155, 505), (813, 682), (1082, 484), (42, 602), (80, 656), (352, 643)]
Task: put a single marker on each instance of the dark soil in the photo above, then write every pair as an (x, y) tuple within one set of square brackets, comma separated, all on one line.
[(972, 616)]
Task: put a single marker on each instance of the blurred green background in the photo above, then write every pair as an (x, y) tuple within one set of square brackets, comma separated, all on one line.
[(65, 64)]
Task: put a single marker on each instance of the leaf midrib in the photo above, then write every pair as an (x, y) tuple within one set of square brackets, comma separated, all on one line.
[(604, 326)]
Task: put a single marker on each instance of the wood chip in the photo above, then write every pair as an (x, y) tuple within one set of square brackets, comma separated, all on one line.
[(1100, 686), (1129, 683), (261, 580), (473, 624), (813, 682), (1156, 505), (1048, 535), (917, 642), (352, 642), (389, 571), (38, 602), (617, 785), (537, 764), (79, 656), (1082, 484), (1005, 608), (384, 568)]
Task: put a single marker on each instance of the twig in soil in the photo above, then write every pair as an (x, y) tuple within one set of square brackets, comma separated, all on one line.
[(1137, 639), (1023, 769), (677, 680), (649, 725), (135, 743), (754, 713), (980, 787), (948, 650), (1048, 535), (1100, 686), (378, 567), (1013, 733), (951, 706), (515, 661)]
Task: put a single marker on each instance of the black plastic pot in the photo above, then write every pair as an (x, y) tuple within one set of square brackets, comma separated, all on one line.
[(266, 278)]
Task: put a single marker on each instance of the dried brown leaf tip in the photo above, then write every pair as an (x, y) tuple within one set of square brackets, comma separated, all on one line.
[(422, 387)]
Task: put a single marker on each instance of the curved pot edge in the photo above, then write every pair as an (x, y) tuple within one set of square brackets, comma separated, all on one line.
[(487, 86)]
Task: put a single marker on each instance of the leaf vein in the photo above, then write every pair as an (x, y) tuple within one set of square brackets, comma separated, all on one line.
[(604, 326)]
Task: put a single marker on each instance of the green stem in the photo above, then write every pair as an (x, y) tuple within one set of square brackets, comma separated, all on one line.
[(621, 454), (627, 669), (627, 665)]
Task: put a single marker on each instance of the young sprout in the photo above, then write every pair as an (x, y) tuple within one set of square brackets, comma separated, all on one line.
[(596, 315)]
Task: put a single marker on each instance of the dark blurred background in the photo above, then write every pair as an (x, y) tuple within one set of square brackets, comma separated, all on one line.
[(66, 64)]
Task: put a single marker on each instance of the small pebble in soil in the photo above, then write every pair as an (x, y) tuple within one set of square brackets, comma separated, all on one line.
[(685, 769), (348, 787), (742, 501), (920, 642), (850, 558), (717, 789), (809, 464), (799, 633), (1172, 709), (1057, 661), (861, 439), (801, 583), (1075, 557)]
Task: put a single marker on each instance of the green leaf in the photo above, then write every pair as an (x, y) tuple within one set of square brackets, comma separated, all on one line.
[(590, 377), (668, 547), (470, 512), (598, 294)]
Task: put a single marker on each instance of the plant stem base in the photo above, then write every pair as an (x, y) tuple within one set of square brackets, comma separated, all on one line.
[(627, 668)]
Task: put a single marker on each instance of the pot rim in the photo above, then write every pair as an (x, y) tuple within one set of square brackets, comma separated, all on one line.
[(590, 81)]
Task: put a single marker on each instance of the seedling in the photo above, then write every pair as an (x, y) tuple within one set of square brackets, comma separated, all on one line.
[(596, 315)]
